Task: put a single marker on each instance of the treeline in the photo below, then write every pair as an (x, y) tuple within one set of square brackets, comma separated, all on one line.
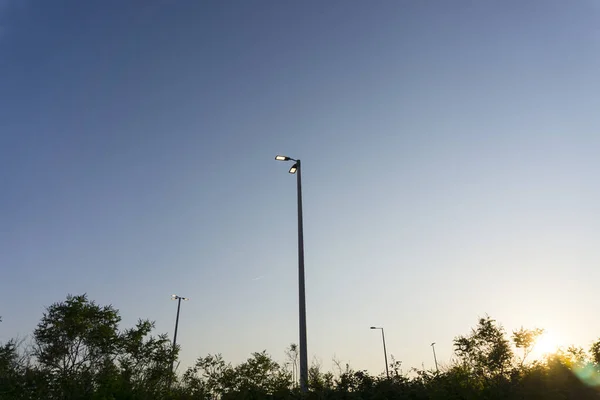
[(78, 352)]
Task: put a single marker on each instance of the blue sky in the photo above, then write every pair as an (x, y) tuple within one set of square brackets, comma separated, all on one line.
[(449, 162)]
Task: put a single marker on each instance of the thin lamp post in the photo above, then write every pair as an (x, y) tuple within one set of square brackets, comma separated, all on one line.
[(434, 357), (178, 298), (387, 371), (295, 169)]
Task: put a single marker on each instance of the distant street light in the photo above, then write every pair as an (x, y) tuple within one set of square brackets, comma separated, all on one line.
[(387, 371), (295, 169), (178, 298), (434, 357)]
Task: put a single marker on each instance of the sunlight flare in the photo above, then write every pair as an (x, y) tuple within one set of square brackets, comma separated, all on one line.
[(547, 343)]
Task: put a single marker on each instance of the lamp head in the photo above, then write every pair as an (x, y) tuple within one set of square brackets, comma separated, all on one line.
[(294, 168), (282, 158)]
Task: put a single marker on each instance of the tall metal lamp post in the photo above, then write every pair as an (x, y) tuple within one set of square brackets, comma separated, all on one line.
[(295, 169), (387, 371), (435, 357), (178, 298)]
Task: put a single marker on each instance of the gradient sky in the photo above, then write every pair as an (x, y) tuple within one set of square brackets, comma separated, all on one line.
[(450, 166)]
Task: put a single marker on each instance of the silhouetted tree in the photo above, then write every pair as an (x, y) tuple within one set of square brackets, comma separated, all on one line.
[(595, 352), (74, 342), (79, 353), (525, 340), (486, 351)]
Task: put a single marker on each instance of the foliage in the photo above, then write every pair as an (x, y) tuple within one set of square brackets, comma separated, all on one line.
[(525, 340), (75, 342), (595, 352), (485, 352), (79, 352)]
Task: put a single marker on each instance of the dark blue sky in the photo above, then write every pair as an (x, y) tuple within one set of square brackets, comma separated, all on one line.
[(449, 153)]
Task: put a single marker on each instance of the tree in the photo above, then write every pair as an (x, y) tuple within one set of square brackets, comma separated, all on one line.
[(145, 360), (525, 339), (75, 336), (8, 370), (75, 341), (79, 346), (292, 354), (205, 379), (258, 377), (486, 351), (319, 381), (81, 354), (260, 374), (595, 352)]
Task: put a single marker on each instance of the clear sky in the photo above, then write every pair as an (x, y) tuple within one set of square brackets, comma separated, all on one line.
[(450, 166)]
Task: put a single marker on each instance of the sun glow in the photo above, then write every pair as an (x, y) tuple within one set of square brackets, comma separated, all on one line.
[(547, 343)]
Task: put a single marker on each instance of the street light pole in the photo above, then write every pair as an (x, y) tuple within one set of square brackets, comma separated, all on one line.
[(176, 322), (434, 357), (301, 289), (387, 371), (296, 169), (178, 298)]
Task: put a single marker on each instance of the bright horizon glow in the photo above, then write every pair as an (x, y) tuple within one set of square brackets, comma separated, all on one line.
[(548, 343)]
